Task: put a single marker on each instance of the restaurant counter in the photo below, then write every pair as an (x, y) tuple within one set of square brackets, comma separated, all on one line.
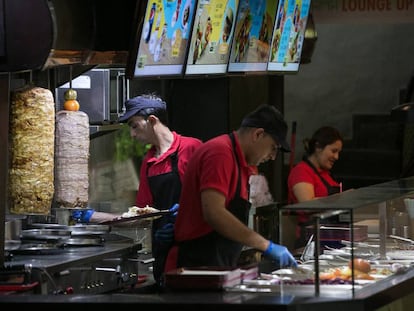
[(370, 297), (360, 204)]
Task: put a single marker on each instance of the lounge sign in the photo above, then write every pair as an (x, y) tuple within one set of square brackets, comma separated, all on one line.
[(363, 11)]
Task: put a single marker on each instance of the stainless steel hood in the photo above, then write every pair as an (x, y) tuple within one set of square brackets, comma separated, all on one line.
[(43, 34)]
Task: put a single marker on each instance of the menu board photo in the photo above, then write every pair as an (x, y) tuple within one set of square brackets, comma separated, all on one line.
[(288, 35), (211, 37), (164, 37), (253, 35)]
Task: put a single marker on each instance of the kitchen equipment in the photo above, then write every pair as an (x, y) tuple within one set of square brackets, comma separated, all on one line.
[(12, 228), (332, 234), (44, 234), (10, 245), (203, 278), (266, 221), (38, 248), (409, 206), (138, 217), (102, 90), (399, 238), (16, 279), (83, 241), (79, 270)]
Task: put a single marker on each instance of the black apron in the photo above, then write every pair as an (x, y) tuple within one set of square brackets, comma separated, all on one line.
[(165, 189), (332, 220), (331, 189), (213, 249)]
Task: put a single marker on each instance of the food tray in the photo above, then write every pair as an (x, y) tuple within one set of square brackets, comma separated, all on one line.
[(148, 216), (203, 278)]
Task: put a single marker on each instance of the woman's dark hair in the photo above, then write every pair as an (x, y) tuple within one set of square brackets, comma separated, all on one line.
[(323, 136)]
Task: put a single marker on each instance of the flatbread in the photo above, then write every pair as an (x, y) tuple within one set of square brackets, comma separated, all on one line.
[(138, 211)]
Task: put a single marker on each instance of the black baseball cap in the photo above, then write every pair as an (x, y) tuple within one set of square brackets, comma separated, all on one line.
[(271, 120), (144, 105)]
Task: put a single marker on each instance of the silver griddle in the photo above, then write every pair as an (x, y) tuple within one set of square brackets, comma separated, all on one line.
[(82, 270)]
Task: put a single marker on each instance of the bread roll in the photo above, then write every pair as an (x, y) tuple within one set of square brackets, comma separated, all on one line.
[(32, 137), (72, 159)]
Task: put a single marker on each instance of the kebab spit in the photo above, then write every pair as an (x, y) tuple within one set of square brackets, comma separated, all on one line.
[(49, 154), (72, 159), (32, 137)]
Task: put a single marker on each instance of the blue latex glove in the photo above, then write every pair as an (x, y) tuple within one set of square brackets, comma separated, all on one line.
[(165, 233), (174, 209), (82, 216), (280, 254)]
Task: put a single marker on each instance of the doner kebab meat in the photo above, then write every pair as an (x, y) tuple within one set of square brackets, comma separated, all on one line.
[(32, 137), (71, 159)]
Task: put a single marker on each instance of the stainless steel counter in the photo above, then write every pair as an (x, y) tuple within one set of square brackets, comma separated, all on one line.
[(367, 298), (278, 297), (79, 270)]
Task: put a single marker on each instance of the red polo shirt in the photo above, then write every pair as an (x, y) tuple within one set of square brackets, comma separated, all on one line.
[(213, 166), (156, 166)]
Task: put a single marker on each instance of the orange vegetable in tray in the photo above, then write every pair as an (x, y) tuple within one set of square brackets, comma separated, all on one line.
[(360, 265), (361, 271)]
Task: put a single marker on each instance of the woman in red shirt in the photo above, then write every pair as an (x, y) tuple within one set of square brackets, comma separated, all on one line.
[(311, 178)]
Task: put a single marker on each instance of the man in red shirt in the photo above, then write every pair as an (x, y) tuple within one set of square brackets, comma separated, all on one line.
[(211, 226), (162, 168)]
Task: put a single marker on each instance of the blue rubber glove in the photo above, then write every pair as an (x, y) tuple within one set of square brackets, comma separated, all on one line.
[(174, 209), (165, 233), (82, 216), (280, 254)]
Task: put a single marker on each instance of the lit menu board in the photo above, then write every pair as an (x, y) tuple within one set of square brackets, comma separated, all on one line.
[(164, 37), (253, 35), (211, 37), (288, 35)]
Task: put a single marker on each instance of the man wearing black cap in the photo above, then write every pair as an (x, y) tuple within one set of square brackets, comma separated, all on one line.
[(162, 167), (161, 170), (211, 227)]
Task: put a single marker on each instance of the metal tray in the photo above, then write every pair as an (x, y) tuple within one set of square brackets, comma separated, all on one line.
[(44, 234), (40, 249), (39, 225), (10, 245), (203, 278), (75, 230), (89, 230), (149, 216), (83, 242)]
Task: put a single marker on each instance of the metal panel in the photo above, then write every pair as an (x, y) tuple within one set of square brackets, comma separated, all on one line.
[(93, 94), (101, 94)]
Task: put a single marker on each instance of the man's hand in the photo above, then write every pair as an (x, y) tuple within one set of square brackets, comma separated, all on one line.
[(280, 254), (165, 233), (174, 209), (82, 216)]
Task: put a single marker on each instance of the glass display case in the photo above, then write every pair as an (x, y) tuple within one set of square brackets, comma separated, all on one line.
[(358, 242)]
